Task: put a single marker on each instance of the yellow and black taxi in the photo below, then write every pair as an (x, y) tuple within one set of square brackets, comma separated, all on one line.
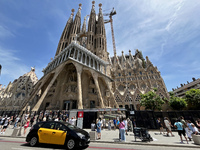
[(60, 133)]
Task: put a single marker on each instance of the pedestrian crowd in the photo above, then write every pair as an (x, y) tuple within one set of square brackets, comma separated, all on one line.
[(27, 120), (185, 128), (122, 124)]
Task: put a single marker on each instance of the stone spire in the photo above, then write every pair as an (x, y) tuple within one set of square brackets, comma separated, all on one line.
[(123, 60), (76, 27), (148, 62), (83, 39), (64, 39), (84, 25), (130, 56), (101, 45), (91, 29)]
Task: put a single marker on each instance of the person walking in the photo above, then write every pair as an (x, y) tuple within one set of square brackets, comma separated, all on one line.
[(134, 123), (168, 126), (2, 122), (189, 129), (5, 125), (122, 130), (126, 125), (115, 123), (160, 126), (11, 120), (26, 125), (44, 118), (195, 129), (129, 124), (16, 121), (99, 124), (72, 121), (180, 130), (185, 127), (32, 120), (198, 123)]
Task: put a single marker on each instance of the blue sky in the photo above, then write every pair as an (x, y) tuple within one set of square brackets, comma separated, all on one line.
[(167, 31)]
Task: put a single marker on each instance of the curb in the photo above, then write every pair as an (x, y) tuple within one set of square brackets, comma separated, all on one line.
[(8, 136), (147, 144), (129, 143)]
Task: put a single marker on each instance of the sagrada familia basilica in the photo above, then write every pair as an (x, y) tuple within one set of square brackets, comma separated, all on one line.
[(82, 75)]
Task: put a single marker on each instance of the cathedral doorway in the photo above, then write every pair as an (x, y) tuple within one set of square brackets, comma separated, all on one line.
[(92, 104), (132, 107), (69, 104)]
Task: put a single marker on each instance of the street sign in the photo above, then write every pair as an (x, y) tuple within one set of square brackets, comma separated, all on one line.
[(80, 119), (132, 112)]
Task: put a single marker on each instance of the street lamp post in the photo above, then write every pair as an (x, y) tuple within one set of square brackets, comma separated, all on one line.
[(0, 69)]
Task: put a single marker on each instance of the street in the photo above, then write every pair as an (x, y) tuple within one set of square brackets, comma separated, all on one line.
[(7, 143)]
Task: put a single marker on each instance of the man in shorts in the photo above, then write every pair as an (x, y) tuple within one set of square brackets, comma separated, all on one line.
[(5, 125), (180, 130), (168, 126)]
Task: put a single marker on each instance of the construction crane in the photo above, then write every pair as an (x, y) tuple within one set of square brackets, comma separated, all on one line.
[(0, 69), (112, 13)]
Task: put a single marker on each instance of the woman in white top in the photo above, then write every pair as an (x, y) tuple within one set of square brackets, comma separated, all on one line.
[(194, 129), (126, 126)]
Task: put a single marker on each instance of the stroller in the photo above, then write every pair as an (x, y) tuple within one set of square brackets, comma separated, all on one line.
[(142, 134)]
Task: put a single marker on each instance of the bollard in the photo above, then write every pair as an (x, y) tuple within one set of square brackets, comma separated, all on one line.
[(92, 135), (15, 131)]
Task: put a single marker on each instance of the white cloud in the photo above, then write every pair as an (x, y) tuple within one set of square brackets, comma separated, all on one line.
[(12, 68), (4, 32)]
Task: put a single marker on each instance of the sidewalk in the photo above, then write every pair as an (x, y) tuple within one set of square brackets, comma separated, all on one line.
[(158, 140), (111, 136)]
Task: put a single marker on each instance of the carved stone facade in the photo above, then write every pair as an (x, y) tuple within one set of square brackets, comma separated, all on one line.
[(82, 75), (13, 96), (133, 76)]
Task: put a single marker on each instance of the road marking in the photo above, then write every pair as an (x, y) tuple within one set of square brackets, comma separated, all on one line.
[(110, 148), (20, 148), (13, 141)]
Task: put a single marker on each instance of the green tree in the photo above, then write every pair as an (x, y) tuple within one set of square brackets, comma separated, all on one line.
[(177, 103), (151, 100), (193, 98)]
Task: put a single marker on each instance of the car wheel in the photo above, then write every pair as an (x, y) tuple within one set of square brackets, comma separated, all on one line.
[(33, 141), (70, 144)]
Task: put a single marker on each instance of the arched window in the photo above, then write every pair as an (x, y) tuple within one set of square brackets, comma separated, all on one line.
[(128, 98), (138, 97)]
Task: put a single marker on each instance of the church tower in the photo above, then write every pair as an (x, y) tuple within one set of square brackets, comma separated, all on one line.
[(64, 39), (91, 30), (101, 46), (76, 27), (78, 77)]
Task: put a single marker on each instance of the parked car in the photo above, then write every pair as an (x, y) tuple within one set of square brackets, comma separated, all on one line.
[(60, 133)]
